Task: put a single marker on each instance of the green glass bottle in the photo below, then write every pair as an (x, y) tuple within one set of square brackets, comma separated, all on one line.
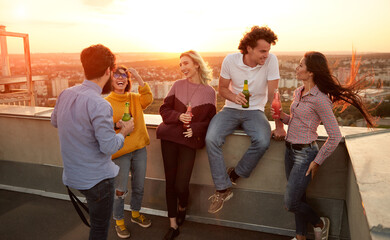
[(245, 91), (126, 115)]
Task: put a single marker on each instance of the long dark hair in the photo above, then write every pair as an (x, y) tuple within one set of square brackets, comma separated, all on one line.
[(340, 95)]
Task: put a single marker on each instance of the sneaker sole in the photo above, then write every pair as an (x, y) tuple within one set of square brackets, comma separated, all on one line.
[(322, 234), (123, 236), (226, 199), (327, 225), (142, 225)]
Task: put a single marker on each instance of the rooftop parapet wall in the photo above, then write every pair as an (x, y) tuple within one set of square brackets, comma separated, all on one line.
[(357, 172), (31, 139)]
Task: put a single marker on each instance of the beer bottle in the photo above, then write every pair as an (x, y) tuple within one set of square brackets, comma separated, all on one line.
[(276, 105), (189, 111), (126, 115), (245, 91)]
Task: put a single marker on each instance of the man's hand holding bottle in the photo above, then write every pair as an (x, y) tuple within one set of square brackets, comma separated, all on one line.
[(126, 127)]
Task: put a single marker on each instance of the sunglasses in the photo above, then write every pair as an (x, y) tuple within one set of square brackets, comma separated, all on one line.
[(120, 75)]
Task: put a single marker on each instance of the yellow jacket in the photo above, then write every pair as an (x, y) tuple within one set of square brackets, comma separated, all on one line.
[(139, 138)]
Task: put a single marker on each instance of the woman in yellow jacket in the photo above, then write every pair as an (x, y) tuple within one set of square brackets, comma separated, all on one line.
[(132, 157)]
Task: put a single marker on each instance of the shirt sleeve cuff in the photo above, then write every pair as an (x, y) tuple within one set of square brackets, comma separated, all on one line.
[(285, 119), (121, 137)]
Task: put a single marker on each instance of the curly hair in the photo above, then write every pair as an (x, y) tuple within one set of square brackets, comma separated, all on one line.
[(205, 72), (256, 33), (95, 60)]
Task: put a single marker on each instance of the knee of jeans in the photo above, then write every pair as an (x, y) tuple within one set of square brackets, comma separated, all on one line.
[(120, 194), (212, 139), (209, 138), (137, 190), (260, 143), (290, 205)]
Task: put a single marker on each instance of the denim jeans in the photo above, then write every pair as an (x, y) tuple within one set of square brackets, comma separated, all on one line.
[(296, 165), (134, 162), (100, 199), (255, 125)]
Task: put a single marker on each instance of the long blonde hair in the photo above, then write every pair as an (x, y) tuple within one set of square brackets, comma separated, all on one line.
[(205, 72)]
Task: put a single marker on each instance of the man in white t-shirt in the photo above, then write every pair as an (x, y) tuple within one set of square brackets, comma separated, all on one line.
[(255, 64)]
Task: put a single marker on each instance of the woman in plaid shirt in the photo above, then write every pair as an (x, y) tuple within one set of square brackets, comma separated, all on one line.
[(313, 104)]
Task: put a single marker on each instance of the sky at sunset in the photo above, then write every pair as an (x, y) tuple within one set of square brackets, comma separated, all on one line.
[(202, 25)]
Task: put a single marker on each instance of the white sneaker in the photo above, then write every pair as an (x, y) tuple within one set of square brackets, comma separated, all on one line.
[(322, 234)]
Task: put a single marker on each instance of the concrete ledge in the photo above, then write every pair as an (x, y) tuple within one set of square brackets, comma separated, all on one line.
[(370, 183), (357, 172)]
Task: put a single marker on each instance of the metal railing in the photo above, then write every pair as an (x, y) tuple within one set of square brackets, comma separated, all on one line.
[(24, 95)]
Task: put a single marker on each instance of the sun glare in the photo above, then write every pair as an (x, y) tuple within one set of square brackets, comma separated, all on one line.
[(165, 35), (20, 12), (161, 26), (175, 43)]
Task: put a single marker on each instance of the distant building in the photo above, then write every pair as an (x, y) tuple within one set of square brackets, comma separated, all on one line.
[(375, 95), (59, 85), (288, 83), (383, 76), (159, 89)]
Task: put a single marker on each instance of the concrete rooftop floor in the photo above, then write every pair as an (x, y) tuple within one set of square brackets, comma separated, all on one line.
[(28, 216)]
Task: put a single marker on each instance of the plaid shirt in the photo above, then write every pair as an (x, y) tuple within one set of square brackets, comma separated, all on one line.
[(307, 112)]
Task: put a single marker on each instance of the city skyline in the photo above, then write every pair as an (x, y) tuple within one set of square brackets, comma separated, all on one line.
[(207, 26)]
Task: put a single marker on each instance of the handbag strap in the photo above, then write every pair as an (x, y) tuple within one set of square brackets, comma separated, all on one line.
[(76, 202)]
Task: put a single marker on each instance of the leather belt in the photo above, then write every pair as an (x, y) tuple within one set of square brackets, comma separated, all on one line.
[(300, 146)]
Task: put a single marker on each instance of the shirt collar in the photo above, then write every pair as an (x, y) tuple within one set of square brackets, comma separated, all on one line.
[(313, 91), (242, 64), (93, 86)]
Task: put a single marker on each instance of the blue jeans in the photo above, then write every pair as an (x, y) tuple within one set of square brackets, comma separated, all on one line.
[(99, 199), (296, 164), (136, 163), (255, 125)]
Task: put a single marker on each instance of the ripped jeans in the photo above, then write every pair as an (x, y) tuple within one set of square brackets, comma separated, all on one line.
[(134, 162)]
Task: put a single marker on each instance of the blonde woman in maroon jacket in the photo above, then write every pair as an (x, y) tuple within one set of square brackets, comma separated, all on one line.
[(178, 144)]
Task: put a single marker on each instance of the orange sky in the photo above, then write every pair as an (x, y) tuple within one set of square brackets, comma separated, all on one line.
[(202, 25)]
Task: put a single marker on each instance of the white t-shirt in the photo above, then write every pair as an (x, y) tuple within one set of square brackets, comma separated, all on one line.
[(233, 68)]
